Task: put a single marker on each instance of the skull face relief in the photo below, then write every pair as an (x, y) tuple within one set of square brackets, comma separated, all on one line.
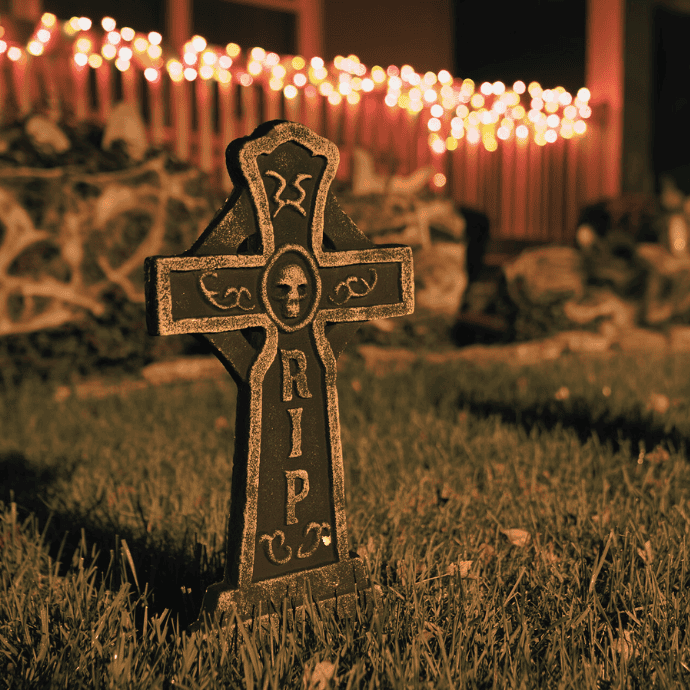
[(291, 289)]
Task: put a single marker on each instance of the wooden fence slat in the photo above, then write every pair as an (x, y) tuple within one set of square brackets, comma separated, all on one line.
[(204, 120)]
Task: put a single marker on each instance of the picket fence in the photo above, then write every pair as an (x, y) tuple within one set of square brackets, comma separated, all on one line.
[(528, 191)]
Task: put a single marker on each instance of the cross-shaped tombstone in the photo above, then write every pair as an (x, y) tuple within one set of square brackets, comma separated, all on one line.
[(277, 284)]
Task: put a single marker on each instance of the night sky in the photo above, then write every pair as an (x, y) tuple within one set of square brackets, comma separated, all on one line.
[(542, 40)]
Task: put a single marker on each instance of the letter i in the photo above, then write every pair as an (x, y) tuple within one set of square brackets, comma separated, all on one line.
[(296, 419)]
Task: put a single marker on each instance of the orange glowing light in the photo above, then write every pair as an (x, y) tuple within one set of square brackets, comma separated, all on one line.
[(189, 58), (334, 98), (415, 79), (246, 79), (275, 84), (536, 104), (486, 88), (553, 120), (317, 62), (225, 62), (114, 37), (14, 53), (95, 61), (155, 38), (206, 71), (367, 85), (254, 68), (392, 71), (473, 135), (519, 87), (108, 24), (415, 94), (452, 143), (565, 98), (344, 88), (499, 107), (3, 47), (445, 77), (439, 179), (298, 62), (43, 35), (551, 135), (580, 126), (521, 132), (534, 89), (258, 54), (154, 51), (570, 113), (353, 98), (395, 83), (390, 100), (434, 124), (271, 59), (551, 106), (109, 51), (73, 24), (429, 79), (83, 45), (430, 95), (125, 53), (300, 79), (80, 59), (122, 65), (503, 133), (498, 87), (175, 70), (378, 74), (584, 95), (439, 146), (518, 112), (190, 73), (140, 44), (279, 71), (127, 33), (477, 101), (198, 43), (462, 111), (48, 19), (233, 50), (437, 110), (151, 74), (406, 71), (35, 48), (585, 111), (325, 89), (84, 23)]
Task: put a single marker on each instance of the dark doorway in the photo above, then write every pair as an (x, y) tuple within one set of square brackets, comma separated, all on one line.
[(672, 97)]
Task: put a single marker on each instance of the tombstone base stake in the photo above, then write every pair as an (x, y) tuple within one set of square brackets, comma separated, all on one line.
[(336, 586)]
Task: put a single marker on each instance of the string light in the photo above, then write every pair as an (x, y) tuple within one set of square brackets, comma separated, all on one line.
[(476, 111)]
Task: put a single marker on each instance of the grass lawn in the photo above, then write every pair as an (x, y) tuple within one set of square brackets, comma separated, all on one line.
[(528, 527)]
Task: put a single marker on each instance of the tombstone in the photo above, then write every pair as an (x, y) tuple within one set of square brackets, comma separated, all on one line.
[(277, 284)]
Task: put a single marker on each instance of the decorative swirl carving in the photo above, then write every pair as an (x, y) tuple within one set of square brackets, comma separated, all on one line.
[(267, 541), (318, 530), (295, 203), (350, 293), (233, 293)]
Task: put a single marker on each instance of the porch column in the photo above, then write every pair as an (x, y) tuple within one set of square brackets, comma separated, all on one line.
[(178, 22), (310, 28), (604, 76)]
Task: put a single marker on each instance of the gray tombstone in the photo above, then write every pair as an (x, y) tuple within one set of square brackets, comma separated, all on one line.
[(277, 284)]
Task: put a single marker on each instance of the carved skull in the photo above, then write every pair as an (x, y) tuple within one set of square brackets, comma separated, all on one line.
[(291, 290)]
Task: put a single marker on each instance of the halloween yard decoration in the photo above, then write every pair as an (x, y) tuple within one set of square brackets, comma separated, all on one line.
[(277, 284)]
